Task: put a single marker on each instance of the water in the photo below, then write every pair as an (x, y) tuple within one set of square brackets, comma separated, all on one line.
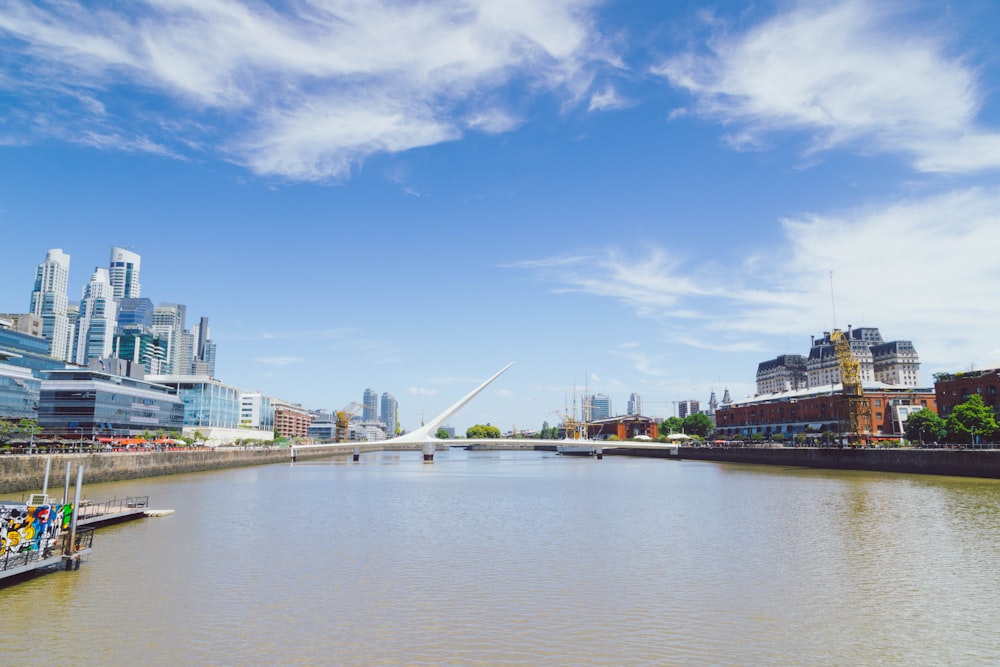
[(525, 558)]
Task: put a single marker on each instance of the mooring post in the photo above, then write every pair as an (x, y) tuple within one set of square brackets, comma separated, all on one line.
[(357, 454), (45, 484), (66, 488), (70, 550), (291, 451), (428, 452), (599, 452)]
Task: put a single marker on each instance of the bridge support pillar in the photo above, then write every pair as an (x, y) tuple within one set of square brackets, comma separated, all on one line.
[(428, 452)]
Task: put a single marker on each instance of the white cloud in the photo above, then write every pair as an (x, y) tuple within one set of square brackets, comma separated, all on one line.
[(849, 73), (607, 100), (312, 89), (922, 269)]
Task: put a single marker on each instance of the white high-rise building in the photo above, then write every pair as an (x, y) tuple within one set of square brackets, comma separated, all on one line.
[(95, 325), (168, 324), (123, 273), (635, 405), (369, 404), (50, 301)]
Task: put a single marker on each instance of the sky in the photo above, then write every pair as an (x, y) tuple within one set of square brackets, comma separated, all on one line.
[(617, 197)]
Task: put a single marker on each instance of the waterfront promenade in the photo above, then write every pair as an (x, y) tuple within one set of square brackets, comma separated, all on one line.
[(21, 473)]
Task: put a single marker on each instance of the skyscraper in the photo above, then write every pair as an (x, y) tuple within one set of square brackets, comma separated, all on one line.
[(49, 301), (123, 273), (688, 407), (168, 324), (599, 407), (203, 362), (388, 413), (635, 404), (95, 325), (370, 403)]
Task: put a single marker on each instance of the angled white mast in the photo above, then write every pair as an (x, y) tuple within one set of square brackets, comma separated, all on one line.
[(425, 432)]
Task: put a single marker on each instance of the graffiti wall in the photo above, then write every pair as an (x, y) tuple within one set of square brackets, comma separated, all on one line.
[(32, 527)]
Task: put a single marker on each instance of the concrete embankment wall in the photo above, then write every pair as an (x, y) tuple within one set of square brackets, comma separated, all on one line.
[(956, 462), (27, 473)]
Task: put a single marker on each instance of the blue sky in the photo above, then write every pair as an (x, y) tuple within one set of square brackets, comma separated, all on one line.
[(628, 196)]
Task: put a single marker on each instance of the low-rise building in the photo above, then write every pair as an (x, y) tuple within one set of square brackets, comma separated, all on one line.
[(815, 411), (211, 409), (951, 389), (87, 403), (625, 427), (290, 420)]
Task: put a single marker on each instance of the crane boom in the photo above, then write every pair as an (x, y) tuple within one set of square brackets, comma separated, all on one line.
[(855, 411)]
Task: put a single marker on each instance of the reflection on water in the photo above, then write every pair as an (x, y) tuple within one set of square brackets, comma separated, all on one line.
[(529, 558)]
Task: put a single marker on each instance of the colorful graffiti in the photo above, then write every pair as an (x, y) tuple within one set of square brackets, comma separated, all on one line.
[(31, 527)]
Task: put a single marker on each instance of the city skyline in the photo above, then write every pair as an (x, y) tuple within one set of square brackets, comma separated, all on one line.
[(644, 199)]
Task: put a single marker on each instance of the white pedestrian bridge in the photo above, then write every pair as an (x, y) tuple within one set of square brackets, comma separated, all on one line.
[(424, 436)]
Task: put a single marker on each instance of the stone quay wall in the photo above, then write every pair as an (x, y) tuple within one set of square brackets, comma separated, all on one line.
[(21, 473), (955, 462)]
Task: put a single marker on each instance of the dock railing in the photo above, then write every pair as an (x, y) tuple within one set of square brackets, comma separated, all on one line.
[(35, 554), (89, 510)]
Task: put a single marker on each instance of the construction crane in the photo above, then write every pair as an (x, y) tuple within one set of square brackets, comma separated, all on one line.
[(343, 418), (855, 412)]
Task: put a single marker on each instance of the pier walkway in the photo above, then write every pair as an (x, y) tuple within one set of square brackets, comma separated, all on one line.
[(107, 512)]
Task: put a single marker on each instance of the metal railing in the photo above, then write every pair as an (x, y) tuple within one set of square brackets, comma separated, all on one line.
[(34, 554), (89, 510)]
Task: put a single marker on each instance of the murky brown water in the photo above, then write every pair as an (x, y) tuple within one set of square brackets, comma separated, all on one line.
[(500, 558)]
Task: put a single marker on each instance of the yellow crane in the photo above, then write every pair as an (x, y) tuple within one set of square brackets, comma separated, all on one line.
[(343, 418), (855, 411)]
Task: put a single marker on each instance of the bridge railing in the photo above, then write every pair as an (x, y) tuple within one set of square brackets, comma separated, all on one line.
[(89, 510)]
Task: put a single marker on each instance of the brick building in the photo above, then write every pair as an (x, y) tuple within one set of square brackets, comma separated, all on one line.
[(814, 411), (955, 388), (291, 420)]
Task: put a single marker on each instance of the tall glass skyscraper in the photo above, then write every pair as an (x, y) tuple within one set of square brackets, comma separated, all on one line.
[(599, 407), (95, 325), (49, 301), (635, 404), (388, 413), (168, 324), (123, 273), (370, 403)]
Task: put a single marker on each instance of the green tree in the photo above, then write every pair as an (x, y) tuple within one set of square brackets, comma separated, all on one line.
[(482, 431), (548, 432), (925, 426), (698, 424), (671, 425), (442, 434), (800, 438), (971, 420)]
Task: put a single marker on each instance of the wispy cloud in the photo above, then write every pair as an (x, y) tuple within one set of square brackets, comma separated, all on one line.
[(895, 265), (312, 89), (851, 73)]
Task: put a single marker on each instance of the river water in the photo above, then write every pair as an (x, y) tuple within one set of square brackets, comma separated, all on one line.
[(527, 558)]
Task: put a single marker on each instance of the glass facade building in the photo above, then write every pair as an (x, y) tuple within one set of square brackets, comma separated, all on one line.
[(208, 403), (19, 391), (88, 403)]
